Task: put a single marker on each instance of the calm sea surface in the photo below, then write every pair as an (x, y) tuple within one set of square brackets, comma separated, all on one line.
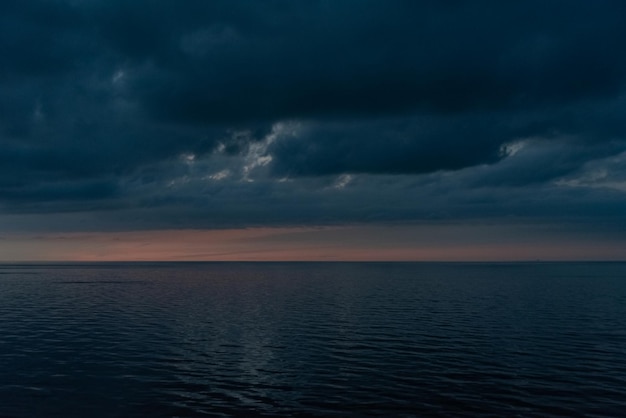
[(307, 339)]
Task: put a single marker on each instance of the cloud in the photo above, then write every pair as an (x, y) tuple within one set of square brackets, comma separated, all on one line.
[(300, 112), (234, 63)]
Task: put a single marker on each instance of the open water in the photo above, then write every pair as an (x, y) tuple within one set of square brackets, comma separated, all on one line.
[(313, 339)]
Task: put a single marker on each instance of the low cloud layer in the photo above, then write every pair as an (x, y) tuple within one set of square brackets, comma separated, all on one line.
[(150, 114)]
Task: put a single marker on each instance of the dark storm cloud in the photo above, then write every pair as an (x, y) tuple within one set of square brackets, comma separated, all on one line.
[(141, 104), (217, 61), (422, 144)]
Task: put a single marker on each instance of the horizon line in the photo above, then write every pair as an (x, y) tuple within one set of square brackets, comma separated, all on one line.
[(525, 261)]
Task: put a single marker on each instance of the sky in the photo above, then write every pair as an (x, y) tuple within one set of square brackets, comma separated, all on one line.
[(312, 130)]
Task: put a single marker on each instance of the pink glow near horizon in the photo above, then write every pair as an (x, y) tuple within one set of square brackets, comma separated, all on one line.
[(301, 244)]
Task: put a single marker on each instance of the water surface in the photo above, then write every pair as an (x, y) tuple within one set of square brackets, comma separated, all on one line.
[(313, 339)]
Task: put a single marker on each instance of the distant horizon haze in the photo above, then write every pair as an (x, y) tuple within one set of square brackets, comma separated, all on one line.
[(355, 243)]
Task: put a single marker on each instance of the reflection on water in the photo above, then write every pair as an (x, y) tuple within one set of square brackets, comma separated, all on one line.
[(338, 339)]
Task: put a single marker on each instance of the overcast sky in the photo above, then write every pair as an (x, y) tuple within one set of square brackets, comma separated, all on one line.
[(336, 129)]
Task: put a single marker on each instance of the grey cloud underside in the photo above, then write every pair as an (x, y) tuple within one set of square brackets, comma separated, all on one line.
[(244, 112)]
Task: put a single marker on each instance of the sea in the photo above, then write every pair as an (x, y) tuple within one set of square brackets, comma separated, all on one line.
[(313, 340)]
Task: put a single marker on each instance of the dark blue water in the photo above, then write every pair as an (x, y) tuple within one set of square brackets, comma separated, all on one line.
[(305, 339)]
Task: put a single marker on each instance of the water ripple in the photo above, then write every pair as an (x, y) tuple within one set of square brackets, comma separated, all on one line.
[(313, 340)]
